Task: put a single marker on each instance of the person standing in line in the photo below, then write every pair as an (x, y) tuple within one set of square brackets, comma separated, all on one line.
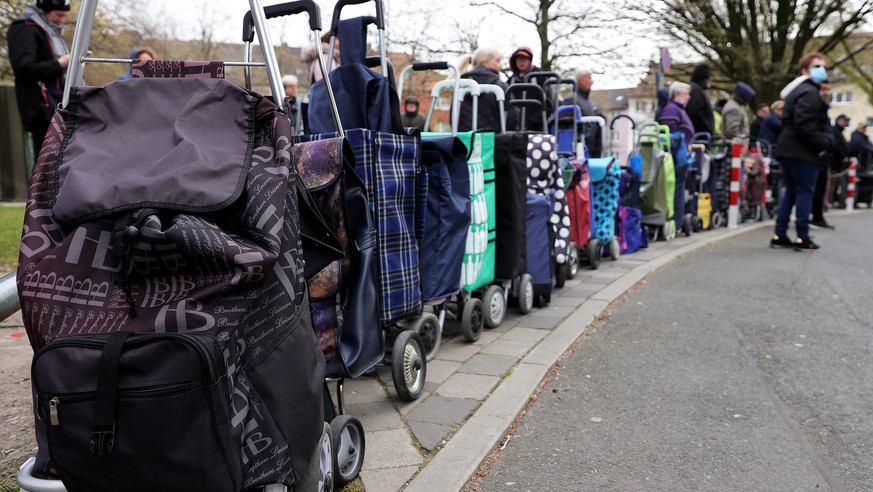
[(822, 181), (718, 119), (291, 104), (39, 57), (772, 125), (411, 118), (521, 64), (486, 63), (860, 145), (699, 108), (802, 147), (593, 133), (839, 161), (761, 114), (138, 53), (734, 121)]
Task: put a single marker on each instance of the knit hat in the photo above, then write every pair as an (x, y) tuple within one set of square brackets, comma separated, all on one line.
[(521, 51), (51, 5), (744, 92), (701, 72), (411, 99)]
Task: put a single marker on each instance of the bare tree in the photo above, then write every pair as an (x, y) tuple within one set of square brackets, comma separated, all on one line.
[(758, 41)]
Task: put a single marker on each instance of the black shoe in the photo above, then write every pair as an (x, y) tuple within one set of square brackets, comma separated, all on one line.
[(804, 245), (778, 241), (821, 224)]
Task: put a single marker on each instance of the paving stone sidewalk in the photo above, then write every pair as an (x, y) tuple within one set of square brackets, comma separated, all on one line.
[(474, 391)]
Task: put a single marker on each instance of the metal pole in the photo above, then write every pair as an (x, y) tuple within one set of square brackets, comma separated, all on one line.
[(81, 39), (260, 21)]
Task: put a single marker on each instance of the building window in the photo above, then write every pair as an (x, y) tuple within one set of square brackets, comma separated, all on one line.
[(840, 98)]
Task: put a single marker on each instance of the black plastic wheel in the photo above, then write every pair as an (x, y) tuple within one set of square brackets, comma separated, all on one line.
[(494, 304), (525, 293), (614, 249), (428, 328), (592, 250), (472, 320), (573, 260), (408, 365), (349, 446), (561, 272), (696, 224), (687, 225)]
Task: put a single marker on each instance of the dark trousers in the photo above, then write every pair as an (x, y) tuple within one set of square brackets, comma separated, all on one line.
[(798, 178), (818, 197)]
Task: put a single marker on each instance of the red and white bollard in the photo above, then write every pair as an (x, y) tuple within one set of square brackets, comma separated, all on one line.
[(734, 208), (850, 187)]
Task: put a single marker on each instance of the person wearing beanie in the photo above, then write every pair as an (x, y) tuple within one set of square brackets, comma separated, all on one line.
[(699, 108), (39, 57), (734, 120), (411, 118), (521, 64), (802, 150)]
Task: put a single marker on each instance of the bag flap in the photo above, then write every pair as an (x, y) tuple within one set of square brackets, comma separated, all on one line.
[(178, 144), (598, 167)]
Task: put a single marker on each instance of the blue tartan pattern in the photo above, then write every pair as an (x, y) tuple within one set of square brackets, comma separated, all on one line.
[(389, 166)]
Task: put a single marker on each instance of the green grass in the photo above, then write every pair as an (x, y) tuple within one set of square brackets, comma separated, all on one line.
[(11, 218)]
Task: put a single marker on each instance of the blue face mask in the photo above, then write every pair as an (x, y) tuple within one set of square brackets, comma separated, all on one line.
[(818, 74)]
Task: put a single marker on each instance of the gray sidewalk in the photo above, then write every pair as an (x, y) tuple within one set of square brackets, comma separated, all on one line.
[(475, 391)]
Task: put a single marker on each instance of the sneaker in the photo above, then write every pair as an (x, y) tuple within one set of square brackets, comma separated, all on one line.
[(821, 224), (804, 245), (778, 241)]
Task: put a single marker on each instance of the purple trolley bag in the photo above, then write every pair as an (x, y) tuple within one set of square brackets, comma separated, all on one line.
[(174, 286)]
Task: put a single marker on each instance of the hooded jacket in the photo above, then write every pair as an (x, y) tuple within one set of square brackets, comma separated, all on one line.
[(804, 124), (699, 108)]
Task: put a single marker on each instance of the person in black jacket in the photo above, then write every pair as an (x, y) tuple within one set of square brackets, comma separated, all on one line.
[(699, 108), (486, 70), (839, 160), (802, 148), (39, 58), (593, 133)]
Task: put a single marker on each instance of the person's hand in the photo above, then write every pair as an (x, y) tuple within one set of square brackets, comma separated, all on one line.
[(64, 60)]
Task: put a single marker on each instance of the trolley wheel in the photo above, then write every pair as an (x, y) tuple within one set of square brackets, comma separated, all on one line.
[(696, 224), (472, 320), (320, 476), (408, 365), (525, 294), (686, 225), (494, 303), (348, 447), (593, 251), (428, 328), (717, 220), (614, 249), (573, 261), (561, 274)]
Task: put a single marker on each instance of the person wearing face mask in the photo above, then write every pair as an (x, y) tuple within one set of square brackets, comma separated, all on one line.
[(39, 57), (699, 108), (802, 149)]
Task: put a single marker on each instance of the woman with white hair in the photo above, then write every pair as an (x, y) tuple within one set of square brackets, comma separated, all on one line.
[(486, 70), (673, 115)]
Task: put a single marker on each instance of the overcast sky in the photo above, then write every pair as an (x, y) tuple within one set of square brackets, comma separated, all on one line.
[(499, 30)]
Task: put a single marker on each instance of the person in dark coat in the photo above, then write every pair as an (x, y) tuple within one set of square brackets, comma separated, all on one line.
[(521, 64), (699, 108), (822, 180), (593, 133), (411, 118), (663, 96), (486, 70), (802, 148), (839, 159), (291, 104), (761, 113), (39, 58), (772, 125), (860, 142)]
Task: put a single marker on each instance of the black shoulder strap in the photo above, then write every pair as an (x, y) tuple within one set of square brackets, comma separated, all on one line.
[(103, 427)]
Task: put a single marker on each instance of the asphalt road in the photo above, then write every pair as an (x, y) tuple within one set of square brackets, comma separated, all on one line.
[(737, 367)]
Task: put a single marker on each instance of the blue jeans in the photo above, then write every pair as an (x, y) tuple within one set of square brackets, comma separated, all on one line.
[(798, 178)]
